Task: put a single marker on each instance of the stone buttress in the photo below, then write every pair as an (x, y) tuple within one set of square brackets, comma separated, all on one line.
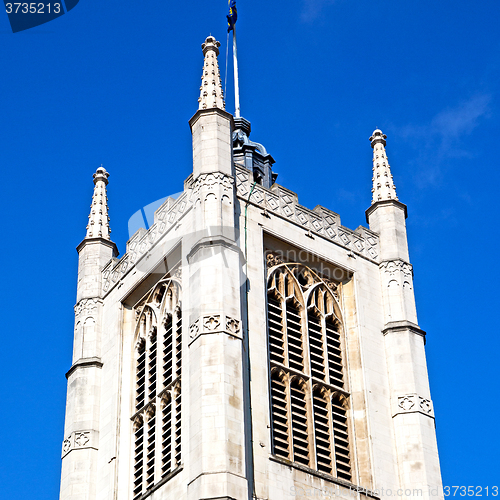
[(412, 411), (81, 433)]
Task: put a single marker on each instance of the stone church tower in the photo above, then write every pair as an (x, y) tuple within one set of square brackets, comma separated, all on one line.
[(245, 346)]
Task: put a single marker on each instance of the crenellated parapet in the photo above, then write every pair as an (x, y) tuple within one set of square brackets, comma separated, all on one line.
[(320, 221)]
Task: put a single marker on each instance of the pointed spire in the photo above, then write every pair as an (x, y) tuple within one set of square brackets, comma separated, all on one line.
[(98, 226), (211, 93), (383, 184)]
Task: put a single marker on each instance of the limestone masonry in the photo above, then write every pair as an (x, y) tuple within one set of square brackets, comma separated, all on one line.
[(244, 346)]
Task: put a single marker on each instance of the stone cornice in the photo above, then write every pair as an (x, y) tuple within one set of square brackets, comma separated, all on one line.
[(403, 326), (84, 363), (384, 203), (214, 241), (102, 241), (320, 221), (211, 111)]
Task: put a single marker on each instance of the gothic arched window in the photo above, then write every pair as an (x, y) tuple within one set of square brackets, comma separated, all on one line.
[(308, 387), (158, 366)]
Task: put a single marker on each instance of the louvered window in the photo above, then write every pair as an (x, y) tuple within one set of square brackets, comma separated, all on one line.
[(157, 419), (308, 388)]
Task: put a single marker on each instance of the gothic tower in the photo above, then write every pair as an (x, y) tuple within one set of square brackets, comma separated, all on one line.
[(244, 346)]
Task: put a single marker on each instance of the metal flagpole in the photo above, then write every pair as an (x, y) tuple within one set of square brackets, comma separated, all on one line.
[(236, 83)]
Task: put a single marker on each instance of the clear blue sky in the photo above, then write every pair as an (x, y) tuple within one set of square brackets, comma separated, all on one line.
[(116, 82)]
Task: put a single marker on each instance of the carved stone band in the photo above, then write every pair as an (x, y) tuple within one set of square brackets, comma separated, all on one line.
[(413, 403), (214, 323), (80, 440)]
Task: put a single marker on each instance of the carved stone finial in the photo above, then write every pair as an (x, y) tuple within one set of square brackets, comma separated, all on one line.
[(98, 226), (383, 183), (211, 93)]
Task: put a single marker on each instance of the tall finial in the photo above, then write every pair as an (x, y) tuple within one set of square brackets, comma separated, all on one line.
[(383, 184), (211, 93), (98, 226)]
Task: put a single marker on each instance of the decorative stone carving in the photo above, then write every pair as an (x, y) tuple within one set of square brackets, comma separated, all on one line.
[(413, 403), (211, 322), (394, 268), (425, 405), (210, 181), (66, 446), (214, 323), (273, 259), (322, 221), (406, 403), (86, 307), (232, 325), (194, 329), (79, 440)]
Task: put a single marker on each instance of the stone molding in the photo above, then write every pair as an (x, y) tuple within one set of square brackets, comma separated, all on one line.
[(211, 242), (413, 403), (84, 363), (383, 203), (80, 440), (214, 323), (403, 326), (102, 241), (393, 268), (323, 475), (166, 217), (284, 203), (210, 181), (212, 111), (87, 307)]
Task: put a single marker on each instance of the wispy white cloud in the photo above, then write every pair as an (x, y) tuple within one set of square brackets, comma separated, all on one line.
[(311, 9), (443, 137)]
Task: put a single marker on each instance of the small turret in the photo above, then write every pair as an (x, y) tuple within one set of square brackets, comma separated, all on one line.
[(403, 338), (81, 432), (383, 184), (211, 125), (386, 214), (211, 93), (96, 248), (98, 226)]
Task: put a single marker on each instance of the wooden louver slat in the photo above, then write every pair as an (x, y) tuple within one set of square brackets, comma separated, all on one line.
[(341, 439), (299, 424), (322, 433), (281, 445), (276, 340), (166, 438), (294, 337)]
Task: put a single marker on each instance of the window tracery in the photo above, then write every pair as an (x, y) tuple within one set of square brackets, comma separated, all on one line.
[(309, 397), (158, 369)]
